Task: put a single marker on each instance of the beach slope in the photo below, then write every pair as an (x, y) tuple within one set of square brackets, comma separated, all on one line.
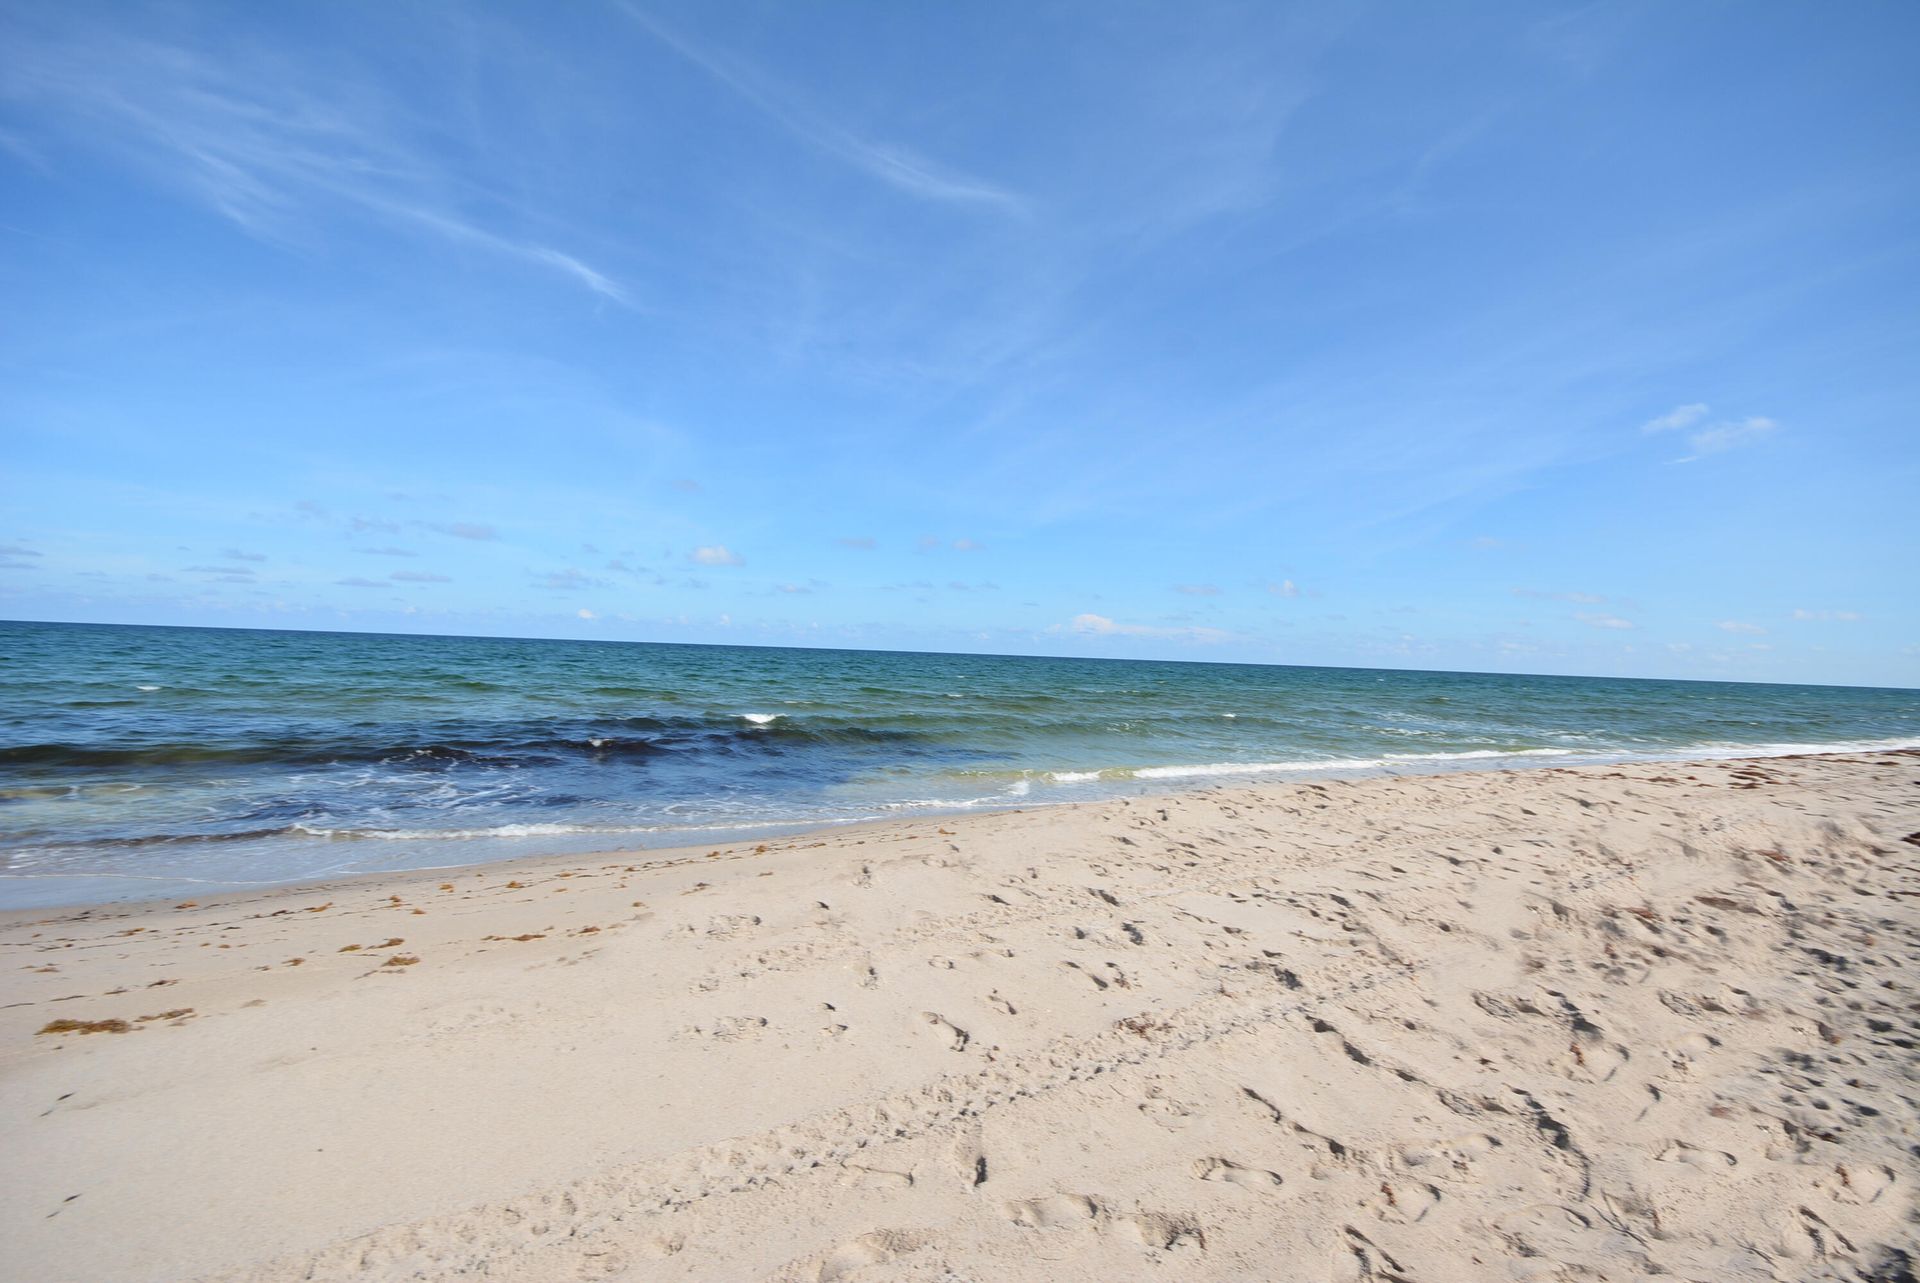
[(1602, 1022)]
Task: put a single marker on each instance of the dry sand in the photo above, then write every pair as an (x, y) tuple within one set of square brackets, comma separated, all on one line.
[(1555, 1024)]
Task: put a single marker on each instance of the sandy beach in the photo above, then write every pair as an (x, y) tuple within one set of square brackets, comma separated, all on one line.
[(1592, 1023)]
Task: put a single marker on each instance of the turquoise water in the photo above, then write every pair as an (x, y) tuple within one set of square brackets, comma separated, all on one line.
[(141, 761)]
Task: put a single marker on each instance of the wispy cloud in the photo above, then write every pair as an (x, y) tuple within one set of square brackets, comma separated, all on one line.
[(895, 165), (1832, 616), (1740, 626), (1604, 621), (1715, 438), (1676, 419), (1285, 588), (1102, 626), (716, 555), (418, 577), (1197, 590), (1722, 437), (259, 143), (464, 530), (570, 578)]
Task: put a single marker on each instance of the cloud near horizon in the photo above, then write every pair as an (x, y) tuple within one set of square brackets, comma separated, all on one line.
[(1102, 626)]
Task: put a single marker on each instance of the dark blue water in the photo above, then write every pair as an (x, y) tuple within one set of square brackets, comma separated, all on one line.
[(135, 761)]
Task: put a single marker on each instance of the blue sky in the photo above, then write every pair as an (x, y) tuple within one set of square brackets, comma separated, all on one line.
[(1572, 338)]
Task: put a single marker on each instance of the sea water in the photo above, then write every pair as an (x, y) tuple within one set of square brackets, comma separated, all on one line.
[(139, 761)]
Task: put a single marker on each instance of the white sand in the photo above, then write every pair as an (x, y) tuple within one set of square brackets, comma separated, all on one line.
[(1588, 1024)]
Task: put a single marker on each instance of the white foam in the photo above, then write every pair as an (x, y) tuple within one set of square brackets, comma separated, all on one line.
[(563, 830), (1478, 752), (1249, 768), (1726, 750), (1073, 777), (1333, 764), (149, 688)]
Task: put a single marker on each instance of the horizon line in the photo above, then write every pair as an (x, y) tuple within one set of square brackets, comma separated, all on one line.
[(966, 654)]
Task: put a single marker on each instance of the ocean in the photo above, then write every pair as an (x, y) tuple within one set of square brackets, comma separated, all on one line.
[(145, 761)]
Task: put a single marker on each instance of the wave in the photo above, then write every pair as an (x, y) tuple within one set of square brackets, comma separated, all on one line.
[(1711, 751), (1204, 769), (631, 737)]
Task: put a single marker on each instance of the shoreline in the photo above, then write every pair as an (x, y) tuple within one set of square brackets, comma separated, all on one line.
[(778, 831), (1622, 1016)]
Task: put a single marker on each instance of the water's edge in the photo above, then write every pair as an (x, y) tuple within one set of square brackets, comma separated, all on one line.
[(61, 894)]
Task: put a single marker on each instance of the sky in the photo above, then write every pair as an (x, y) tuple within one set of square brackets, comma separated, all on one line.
[(1574, 338)]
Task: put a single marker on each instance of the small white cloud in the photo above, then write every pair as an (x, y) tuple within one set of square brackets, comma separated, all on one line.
[(1727, 434), (418, 577), (237, 554), (1285, 588), (1833, 616), (1197, 590), (716, 555), (588, 614), (1722, 437), (360, 582), (1676, 419), (967, 545), (1604, 621), (1740, 626), (1101, 626)]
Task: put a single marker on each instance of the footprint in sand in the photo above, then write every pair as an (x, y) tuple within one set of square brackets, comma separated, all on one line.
[(876, 1248), (1055, 1212), (1863, 1184), (957, 1038), (1174, 1115), (1547, 1230), (1226, 1170), (1453, 1157), (1706, 1159), (1404, 1202), (873, 1177)]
